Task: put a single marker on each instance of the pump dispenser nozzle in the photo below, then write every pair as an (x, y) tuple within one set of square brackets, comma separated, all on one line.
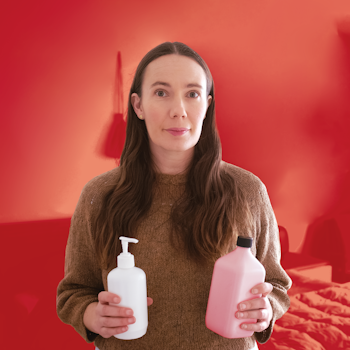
[(125, 259)]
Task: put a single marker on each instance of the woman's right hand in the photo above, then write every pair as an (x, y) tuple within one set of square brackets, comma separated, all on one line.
[(106, 319)]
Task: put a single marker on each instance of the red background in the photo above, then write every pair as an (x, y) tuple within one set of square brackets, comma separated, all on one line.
[(282, 79)]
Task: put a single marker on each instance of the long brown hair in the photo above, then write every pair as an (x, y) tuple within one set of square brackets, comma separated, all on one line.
[(205, 220)]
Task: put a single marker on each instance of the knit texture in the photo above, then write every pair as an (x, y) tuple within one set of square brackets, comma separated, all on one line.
[(178, 287)]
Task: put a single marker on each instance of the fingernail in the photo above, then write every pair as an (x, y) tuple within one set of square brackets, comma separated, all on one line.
[(243, 306), (116, 300), (129, 312), (254, 291), (244, 326)]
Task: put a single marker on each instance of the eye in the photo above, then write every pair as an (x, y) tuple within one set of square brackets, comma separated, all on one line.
[(195, 92), (158, 91)]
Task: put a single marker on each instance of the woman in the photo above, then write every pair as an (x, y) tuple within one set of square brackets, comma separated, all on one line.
[(186, 206)]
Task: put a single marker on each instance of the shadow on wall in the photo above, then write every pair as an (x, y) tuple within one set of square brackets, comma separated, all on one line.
[(326, 239), (328, 236), (323, 255), (111, 142)]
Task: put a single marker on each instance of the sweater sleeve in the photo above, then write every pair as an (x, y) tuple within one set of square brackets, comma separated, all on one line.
[(82, 274), (269, 254)]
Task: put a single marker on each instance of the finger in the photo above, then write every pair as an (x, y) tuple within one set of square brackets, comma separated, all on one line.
[(113, 322), (106, 310), (252, 304), (109, 332), (149, 301), (255, 327), (268, 289), (108, 297), (261, 314), (262, 288), (107, 307)]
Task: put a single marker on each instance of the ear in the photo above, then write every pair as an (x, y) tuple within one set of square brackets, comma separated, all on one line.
[(210, 98), (136, 103)]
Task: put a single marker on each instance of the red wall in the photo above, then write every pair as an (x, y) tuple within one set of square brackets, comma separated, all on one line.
[(282, 76)]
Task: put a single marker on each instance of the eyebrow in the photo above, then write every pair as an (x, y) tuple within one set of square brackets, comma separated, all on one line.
[(167, 84)]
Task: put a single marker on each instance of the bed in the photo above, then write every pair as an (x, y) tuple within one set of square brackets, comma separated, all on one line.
[(318, 317)]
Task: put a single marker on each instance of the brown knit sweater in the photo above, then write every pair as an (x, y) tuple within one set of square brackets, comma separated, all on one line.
[(180, 289)]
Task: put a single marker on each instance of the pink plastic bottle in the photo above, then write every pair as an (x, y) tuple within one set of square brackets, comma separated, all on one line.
[(234, 275)]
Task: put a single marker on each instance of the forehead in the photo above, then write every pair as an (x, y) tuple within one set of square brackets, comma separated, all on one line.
[(174, 69)]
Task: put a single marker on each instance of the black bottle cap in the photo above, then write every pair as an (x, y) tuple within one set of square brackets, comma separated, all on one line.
[(245, 242)]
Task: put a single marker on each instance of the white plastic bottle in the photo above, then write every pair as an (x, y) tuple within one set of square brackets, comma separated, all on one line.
[(129, 283)]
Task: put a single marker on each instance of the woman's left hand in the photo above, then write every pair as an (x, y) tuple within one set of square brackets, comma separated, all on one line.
[(258, 308)]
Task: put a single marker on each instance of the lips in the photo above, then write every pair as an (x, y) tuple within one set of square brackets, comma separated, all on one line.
[(177, 131)]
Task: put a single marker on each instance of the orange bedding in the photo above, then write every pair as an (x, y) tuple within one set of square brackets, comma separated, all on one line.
[(318, 317)]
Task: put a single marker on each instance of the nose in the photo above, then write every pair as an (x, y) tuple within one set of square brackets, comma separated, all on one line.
[(178, 108)]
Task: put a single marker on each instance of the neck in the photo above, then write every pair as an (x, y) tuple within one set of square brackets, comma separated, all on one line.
[(172, 163)]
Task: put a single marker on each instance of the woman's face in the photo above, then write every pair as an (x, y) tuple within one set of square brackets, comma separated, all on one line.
[(170, 103)]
